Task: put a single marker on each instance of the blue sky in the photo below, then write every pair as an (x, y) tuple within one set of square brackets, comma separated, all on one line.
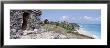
[(82, 16)]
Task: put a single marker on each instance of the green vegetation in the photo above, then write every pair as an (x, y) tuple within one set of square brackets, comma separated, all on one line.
[(46, 21), (51, 27), (57, 26)]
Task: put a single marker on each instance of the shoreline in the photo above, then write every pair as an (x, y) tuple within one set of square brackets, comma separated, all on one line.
[(86, 33)]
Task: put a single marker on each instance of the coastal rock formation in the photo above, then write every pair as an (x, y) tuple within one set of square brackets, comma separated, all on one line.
[(23, 20), (52, 35)]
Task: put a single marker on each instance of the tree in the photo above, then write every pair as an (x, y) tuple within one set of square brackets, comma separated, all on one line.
[(46, 21)]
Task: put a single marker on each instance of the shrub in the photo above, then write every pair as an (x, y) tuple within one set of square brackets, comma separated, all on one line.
[(46, 21)]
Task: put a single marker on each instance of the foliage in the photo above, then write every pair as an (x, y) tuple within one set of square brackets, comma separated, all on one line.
[(70, 27), (46, 21)]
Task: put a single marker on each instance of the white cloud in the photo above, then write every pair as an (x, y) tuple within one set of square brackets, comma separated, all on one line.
[(65, 18), (87, 17)]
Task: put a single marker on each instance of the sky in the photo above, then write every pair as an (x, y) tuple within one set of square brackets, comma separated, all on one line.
[(81, 16)]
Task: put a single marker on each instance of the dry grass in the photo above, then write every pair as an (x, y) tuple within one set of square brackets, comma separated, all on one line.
[(55, 28)]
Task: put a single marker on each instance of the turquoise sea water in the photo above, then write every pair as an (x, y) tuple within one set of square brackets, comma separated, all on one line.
[(93, 29)]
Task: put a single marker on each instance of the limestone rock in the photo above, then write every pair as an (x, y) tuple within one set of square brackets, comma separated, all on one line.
[(23, 20)]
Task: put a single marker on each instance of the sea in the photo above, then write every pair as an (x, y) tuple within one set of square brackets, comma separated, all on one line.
[(92, 29)]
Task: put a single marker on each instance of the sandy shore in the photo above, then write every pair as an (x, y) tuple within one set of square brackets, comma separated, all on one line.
[(84, 32)]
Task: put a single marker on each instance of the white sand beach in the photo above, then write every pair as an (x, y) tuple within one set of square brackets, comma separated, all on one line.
[(84, 32)]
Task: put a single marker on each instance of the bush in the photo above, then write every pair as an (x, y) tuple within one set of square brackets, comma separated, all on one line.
[(46, 21)]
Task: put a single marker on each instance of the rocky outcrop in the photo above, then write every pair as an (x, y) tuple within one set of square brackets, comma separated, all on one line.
[(23, 20), (52, 35), (43, 35)]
